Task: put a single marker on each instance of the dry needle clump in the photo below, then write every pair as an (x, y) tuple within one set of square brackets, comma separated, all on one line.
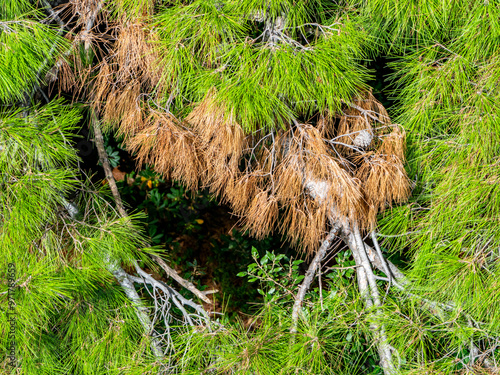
[(123, 76), (385, 181), (221, 140), (295, 180)]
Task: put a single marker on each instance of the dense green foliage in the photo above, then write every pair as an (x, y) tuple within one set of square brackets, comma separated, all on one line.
[(209, 47), (59, 261)]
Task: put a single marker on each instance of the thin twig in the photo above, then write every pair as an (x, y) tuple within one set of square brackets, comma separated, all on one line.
[(383, 261)]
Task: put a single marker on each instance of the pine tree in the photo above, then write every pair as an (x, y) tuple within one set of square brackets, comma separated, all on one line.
[(268, 105), (265, 105)]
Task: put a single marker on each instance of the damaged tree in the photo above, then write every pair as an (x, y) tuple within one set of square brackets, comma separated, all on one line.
[(267, 105)]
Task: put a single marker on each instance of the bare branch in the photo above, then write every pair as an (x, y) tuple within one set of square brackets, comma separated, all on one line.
[(176, 297), (53, 14), (162, 308), (183, 282), (103, 158), (311, 272), (141, 311)]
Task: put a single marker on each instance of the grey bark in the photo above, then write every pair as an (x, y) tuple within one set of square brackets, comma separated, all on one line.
[(311, 272)]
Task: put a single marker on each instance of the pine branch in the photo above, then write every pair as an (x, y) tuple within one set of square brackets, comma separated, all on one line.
[(311, 272), (141, 310), (385, 266), (103, 158), (177, 298), (90, 24), (183, 282), (379, 262), (113, 266)]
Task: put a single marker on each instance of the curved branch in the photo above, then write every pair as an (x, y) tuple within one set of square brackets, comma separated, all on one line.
[(175, 296)]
